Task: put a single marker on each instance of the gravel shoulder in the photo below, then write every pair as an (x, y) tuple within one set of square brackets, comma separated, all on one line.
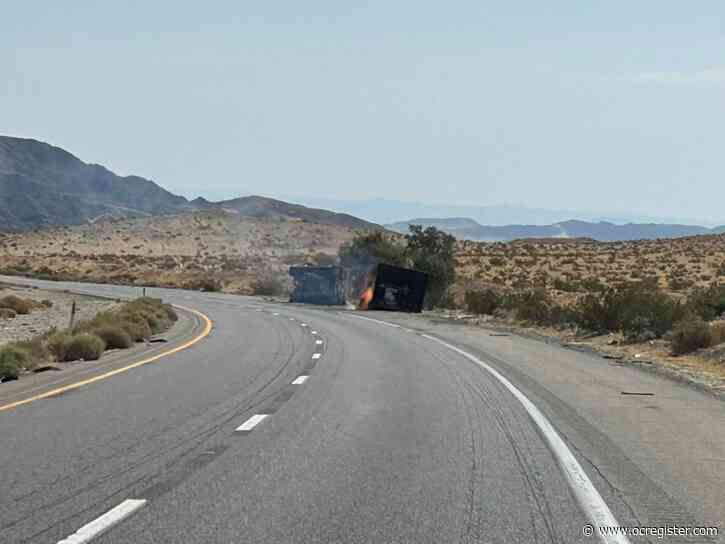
[(41, 320), (703, 370)]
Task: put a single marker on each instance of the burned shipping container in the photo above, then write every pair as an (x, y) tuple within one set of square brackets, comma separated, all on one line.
[(317, 285), (398, 289)]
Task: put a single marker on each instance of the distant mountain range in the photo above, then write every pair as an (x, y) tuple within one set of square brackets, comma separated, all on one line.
[(466, 228), (384, 211), (42, 185)]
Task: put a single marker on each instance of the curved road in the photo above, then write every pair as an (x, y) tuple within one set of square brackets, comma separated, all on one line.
[(294, 424)]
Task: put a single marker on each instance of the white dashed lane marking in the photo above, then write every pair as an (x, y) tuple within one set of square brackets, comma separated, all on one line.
[(303, 324), (316, 355), (318, 342), (252, 422), (102, 524), (300, 380), (313, 332)]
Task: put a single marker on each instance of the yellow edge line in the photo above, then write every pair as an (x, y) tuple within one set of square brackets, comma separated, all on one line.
[(207, 329)]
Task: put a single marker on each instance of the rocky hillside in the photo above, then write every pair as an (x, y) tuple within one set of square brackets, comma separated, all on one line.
[(259, 207), (468, 229), (42, 185)]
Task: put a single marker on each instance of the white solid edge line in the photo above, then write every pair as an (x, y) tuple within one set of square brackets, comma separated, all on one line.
[(300, 380), (252, 422), (102, 524), (376, 321), (589, 499), (586, 494), (318, 342), (316, 355)]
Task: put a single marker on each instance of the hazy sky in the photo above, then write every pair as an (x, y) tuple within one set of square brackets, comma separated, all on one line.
[(616, 105)]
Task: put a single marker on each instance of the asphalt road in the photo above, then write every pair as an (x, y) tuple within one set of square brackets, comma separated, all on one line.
[(392, 438)]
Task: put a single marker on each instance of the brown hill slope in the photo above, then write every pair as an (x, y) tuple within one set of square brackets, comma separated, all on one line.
[(174, 250), (568, 266)]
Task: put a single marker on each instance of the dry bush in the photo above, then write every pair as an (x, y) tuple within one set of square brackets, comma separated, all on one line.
[(85, 346), (21, 306), (689, 335), (115, 337), (12, 361)]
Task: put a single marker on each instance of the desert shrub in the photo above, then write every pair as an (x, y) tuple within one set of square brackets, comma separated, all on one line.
[(88, 347), (690, 334), (21, 306), (563, 285), (268, 286), (56, 344), (35, 348), (46, 303), (631, 309), (678, 282), (482, 302), (7, 313), (718, 333), (206, 284), (157, 315), (535, 306), (170, 312), (593, 284), (135, 325), (115, 337), (708, 303), (12, 360)]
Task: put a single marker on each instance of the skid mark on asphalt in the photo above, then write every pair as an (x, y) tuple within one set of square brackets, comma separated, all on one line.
[(589, 499)]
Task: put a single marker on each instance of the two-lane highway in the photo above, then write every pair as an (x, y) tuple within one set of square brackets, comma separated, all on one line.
[(291, 424)]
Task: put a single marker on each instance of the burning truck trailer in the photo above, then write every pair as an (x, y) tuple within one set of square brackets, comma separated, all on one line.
[(318, 285), (395, 289)]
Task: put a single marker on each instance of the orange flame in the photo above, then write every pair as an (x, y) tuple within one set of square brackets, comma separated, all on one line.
[(365, 299)]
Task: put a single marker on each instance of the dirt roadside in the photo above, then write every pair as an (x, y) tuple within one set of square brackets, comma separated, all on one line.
[(703, 370), (42, 319)]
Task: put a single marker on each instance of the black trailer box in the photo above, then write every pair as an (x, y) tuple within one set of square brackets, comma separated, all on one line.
[(398, 289), (317, 285)]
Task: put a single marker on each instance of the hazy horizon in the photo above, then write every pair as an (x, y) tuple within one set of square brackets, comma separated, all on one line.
[(615, 108)]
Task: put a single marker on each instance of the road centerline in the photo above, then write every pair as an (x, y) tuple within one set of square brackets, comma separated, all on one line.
[(252, 422), (103, 523)]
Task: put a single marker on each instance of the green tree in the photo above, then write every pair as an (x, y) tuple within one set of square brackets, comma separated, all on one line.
[(433, 251)]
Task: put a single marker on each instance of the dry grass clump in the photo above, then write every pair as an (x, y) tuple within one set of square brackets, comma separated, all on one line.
[(83, 347), (12, 360), (134, 321), (19, 305)]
